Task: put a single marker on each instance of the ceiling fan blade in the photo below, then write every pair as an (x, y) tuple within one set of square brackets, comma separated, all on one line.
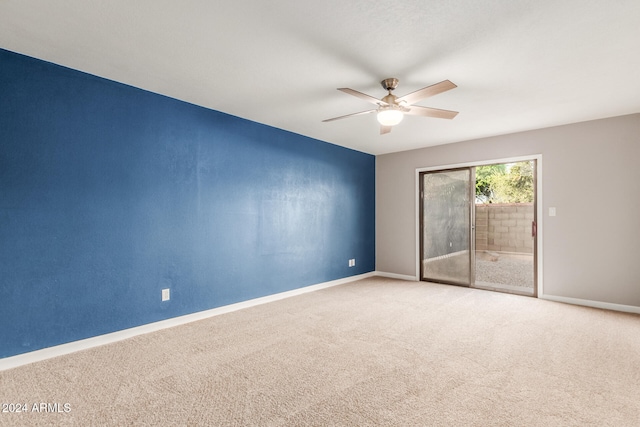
[(350, 115), (385, 129), (426, 92), (416, 110), (363, 96)]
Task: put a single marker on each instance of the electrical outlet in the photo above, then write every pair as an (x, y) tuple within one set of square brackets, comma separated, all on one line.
[(166, 295), (352, 262)]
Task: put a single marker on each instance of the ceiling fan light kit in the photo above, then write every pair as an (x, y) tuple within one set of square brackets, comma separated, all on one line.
[(391, 109), (389, 116)]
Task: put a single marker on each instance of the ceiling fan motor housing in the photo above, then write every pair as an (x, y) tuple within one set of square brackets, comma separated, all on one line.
[(390, 99)]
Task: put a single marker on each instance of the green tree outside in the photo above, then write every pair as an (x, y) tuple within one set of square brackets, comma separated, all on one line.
[(505, 183)]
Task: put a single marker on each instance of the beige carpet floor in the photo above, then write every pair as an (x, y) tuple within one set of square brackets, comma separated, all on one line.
[(373, 352)]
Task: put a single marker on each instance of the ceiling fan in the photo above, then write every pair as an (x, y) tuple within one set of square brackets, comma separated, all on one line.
[(392, 109)]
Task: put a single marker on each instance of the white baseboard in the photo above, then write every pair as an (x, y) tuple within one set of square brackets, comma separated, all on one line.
[(60, 350), (396, 276), (566, 300), (595, 304), (72, 347)]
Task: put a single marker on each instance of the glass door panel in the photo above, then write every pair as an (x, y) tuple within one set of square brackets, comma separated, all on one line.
[(505, 217), (446, 226)]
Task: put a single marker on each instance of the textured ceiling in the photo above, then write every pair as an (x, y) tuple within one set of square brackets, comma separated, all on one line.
[(519, 65)]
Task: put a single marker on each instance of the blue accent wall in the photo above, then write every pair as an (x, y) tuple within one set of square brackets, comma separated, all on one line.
[(109, 194)]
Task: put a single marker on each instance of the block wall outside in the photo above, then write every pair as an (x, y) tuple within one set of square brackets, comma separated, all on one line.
[(504, 227)]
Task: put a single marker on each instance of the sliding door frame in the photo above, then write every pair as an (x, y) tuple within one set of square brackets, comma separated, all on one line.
[(538, 264)]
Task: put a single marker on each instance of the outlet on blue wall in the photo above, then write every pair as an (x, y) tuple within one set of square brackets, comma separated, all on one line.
[(109, 194)]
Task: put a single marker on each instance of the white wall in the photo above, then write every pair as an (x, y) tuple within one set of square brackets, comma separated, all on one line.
[(590, 173)]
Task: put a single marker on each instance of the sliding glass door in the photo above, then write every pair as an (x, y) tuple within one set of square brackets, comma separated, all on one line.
[(478, 226), (446, 226)]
